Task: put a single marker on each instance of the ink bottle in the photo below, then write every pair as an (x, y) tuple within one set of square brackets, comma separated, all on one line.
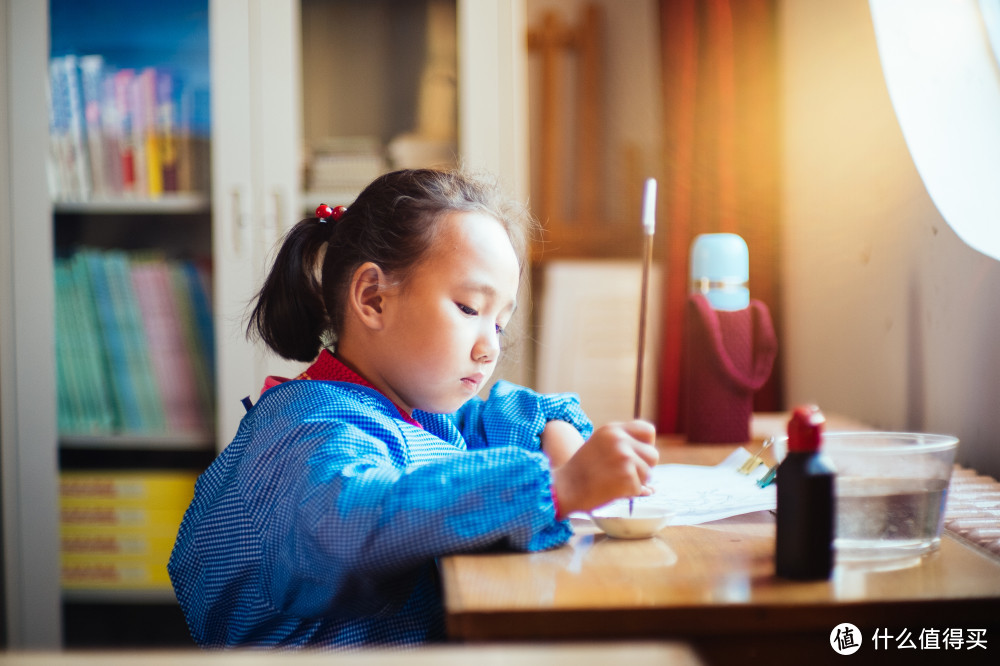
[(806, 507)]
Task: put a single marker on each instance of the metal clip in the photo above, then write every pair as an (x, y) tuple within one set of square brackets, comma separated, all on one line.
[(755, 461), (768, 478)]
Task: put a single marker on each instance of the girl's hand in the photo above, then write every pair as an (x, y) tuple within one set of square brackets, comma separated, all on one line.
[(613, 463), (560, 440)]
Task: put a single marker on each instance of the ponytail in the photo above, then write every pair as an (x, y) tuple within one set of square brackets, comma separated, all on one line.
[(289, 315)]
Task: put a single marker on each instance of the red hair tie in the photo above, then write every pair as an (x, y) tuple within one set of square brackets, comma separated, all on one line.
[(324, 212)]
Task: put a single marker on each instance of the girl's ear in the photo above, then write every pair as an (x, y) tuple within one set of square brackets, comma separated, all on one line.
[(365, 297)]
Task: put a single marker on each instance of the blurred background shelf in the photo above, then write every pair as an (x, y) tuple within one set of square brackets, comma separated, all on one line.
[(168, 204), (166, 441)]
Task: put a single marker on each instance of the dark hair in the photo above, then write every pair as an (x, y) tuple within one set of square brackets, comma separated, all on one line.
[(300, 307)]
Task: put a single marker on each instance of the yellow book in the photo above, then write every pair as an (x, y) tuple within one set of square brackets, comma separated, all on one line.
[(142, 489), (86, 515), (150, 137), (117, 527), (154, 165), (113, 573), (110, 542)]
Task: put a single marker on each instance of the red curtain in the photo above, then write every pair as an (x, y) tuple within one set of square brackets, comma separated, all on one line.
[(720, 156)]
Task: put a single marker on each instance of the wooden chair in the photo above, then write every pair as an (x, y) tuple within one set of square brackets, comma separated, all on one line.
[(575, 227)]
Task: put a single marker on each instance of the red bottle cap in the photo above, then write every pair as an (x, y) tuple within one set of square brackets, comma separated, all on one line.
[(805, 429)]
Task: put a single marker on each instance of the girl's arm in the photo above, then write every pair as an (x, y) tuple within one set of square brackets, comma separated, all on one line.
[(560, 440), (517, 416)]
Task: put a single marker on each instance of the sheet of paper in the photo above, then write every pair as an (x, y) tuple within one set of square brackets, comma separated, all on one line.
[(700, 494)]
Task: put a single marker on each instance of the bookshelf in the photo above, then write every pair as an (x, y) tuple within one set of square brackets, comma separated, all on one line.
[(256, 148), (127, 172)]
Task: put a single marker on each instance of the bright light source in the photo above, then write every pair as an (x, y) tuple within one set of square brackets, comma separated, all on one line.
[(943, 77)]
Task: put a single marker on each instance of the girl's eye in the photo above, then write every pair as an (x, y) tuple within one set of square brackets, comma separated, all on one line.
[(499, 329), (467, 310)]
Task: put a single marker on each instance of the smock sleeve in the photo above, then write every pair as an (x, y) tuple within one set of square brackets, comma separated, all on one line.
[(515, 416), (352, 526)]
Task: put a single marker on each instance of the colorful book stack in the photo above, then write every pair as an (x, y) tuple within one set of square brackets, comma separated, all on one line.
[(135, 353), (120, 133), (117, 528)]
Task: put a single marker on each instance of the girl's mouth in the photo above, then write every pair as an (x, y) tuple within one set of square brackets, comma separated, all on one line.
[(473, 381)]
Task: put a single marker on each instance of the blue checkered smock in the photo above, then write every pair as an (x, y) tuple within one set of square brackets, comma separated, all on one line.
[(320, 523)]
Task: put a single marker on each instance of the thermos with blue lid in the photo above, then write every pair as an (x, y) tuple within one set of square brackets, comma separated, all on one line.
[(729, 342), (720, 269)]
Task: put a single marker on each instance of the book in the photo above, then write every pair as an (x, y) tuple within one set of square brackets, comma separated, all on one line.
[(68, 389), (171, 357), (137, 403), (121, 132), (112, 132), (87, 573), (108, 543), (88, 352), (128, 161), (78, 166), (91, 78), (150, 403), (61, 153), (147, 131), (127, 415), (134, 347), (159, 488), (195, 314), (81, 388), (87, 516), (166, 120), (117, 527)]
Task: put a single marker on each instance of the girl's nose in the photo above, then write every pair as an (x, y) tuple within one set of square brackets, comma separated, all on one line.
[(487, 347)]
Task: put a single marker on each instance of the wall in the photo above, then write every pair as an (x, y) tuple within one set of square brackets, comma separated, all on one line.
[(891, 318)]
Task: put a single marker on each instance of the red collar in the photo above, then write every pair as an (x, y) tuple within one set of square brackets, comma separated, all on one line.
[(328, 367)]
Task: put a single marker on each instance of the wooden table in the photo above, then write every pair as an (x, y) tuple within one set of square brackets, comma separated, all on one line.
[(713, 586)]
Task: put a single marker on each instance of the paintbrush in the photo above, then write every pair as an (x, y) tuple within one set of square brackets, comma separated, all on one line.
[(648, 228)]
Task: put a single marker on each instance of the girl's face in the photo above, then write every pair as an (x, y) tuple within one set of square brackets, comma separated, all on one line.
[(443, 324)]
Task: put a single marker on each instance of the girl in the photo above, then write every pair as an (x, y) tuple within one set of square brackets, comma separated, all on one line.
[(320, 523)]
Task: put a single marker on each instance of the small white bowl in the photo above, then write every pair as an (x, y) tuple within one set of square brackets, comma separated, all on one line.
[(644, 522)]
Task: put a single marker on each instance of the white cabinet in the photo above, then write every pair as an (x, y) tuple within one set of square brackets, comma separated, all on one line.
[(27, 368), (256, 167)]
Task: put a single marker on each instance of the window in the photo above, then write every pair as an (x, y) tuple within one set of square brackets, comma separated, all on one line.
[(941, 62)]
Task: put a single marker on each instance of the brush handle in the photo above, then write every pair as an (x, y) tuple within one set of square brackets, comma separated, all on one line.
[(648, 228), (643, 306)]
